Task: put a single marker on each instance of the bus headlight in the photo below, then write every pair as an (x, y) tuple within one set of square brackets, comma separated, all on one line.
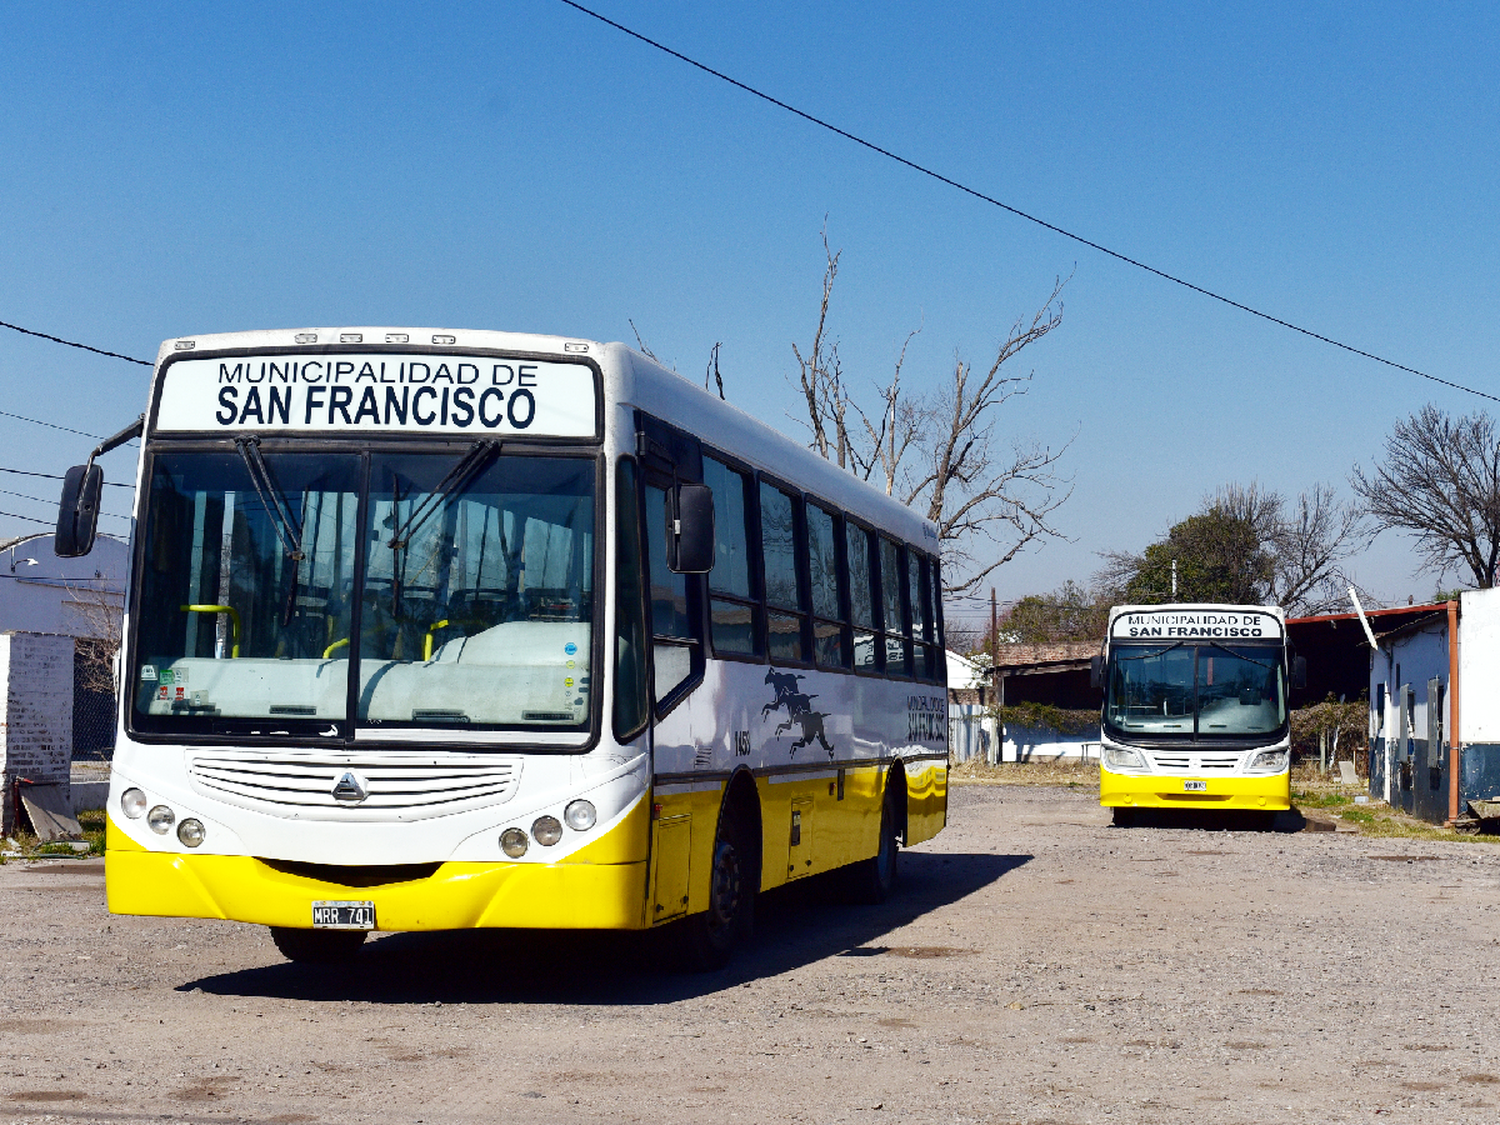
[(580, 815), (1123, 758), (547, 830), (513, 843), (1269, 761), (161, 819), (190, 832), (133, 803)]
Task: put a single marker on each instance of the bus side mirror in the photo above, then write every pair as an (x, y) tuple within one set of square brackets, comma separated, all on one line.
[(690, 530), (1096, 671), (78, 511), (1299, 672)]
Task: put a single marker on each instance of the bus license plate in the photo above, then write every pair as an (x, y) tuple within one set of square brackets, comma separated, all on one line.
[(1195, 786), (343, 915)]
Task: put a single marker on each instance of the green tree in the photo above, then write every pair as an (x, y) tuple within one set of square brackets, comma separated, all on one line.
[(1245, 546), (1219, 557), (1069, 613)]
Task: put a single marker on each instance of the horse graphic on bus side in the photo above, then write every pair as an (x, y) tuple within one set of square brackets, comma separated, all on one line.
[(799, 712)]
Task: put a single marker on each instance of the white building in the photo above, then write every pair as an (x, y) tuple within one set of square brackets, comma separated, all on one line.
[(41, 593)]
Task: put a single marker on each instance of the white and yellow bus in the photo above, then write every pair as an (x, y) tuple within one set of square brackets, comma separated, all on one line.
[(442, 629), (1195, 709)]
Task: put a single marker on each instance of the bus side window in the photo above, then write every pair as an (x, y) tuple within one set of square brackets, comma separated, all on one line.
[(924, 653), (862, 600), (786, 609), (676, 652), (732, 608), (936, 571), (893, 614), (631, 705), (829, 579)]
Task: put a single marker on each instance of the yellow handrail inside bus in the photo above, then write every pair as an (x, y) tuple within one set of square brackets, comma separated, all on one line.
[(427, 644), (333, 648), (234, 620)]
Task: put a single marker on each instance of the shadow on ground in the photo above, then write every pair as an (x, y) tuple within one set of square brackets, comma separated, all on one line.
[(795, 926), (1224, 820)]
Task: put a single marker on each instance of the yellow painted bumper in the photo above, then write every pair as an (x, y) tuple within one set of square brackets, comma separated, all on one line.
[(1154, 791), (575, 895)]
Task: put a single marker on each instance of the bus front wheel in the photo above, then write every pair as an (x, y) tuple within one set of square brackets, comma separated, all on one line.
[(317, 947), (709, 938)]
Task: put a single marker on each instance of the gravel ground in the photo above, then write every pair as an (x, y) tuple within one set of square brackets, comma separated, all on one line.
[(1037, 965)]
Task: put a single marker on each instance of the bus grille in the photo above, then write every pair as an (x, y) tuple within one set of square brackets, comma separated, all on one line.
[(395, 786), (1209, 763)]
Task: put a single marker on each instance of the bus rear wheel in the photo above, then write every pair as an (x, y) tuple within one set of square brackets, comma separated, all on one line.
[(709, 939), (872, 880), (317, 947)]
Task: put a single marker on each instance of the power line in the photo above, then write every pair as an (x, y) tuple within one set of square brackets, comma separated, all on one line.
[(74, 344), (39, 500), (926, 171), (29, 519), (51, 425), (54, 476)]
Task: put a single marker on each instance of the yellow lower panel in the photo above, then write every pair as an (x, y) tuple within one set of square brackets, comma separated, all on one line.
[(456, 896), (1154, 791), (926, 802)]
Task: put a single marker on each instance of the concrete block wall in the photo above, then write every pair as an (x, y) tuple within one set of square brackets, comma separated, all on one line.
[(36, 715)]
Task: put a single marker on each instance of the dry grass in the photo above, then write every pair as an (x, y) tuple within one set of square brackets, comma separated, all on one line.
[(1062, 773)]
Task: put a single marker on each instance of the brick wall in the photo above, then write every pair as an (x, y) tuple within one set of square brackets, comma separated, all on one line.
[(36, 714)]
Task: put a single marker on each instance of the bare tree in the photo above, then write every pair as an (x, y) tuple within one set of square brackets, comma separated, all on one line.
[(101, 613), (1307, 545), (1440, 483), (938, 452)]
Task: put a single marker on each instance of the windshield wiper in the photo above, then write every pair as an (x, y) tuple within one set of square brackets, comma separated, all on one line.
[(459, 477), (282, 521), (1268, 665), (1152, 655)]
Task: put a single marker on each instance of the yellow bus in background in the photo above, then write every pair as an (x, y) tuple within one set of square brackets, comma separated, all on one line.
[(1195, 709)]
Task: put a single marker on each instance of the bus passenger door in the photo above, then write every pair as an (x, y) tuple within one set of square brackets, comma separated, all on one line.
[(684, 817)]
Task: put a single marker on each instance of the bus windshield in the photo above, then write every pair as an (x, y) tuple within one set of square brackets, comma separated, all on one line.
[(475, 607), (1194, 690)]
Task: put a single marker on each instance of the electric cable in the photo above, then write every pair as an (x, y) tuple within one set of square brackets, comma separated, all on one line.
[(926, 171), (54, 476), (75, 344)]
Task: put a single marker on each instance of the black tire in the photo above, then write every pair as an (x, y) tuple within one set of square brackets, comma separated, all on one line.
[(317, 947), (872, 880), (709, 939), (1124, 816)]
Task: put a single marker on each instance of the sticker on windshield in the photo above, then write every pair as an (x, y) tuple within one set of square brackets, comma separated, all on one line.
[(570, 648), (148, 673)]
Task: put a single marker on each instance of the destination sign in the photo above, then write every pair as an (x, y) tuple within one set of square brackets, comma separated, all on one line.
[(380, 392), (1185, 625)]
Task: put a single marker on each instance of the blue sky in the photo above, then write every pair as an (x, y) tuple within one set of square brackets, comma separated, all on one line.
[(175, 169)]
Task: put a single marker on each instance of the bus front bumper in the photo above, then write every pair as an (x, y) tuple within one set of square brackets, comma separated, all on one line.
[(455, 896), (1156, 791)]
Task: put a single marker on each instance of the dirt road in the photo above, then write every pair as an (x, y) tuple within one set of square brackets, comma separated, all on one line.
[(1038, 965)]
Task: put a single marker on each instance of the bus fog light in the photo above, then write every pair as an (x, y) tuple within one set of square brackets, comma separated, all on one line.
[(547, 830), (513, 843), (133, 803), (1121, 758), (581, 816), (190, 832), (1269, 761), (161, 819)]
